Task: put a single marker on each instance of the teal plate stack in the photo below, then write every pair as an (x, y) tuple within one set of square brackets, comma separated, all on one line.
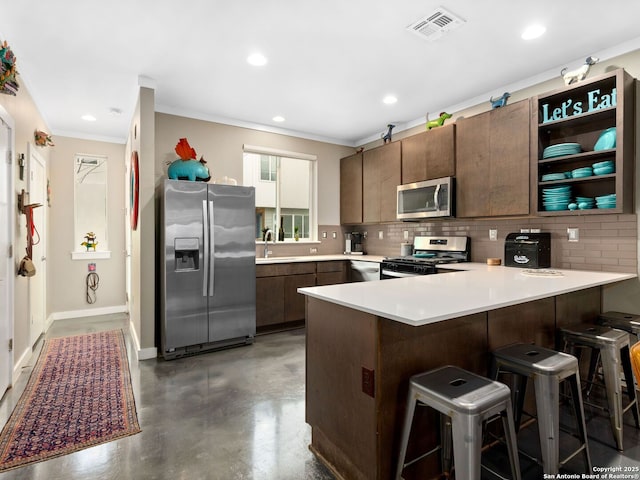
[(556, 198), (561, 149)]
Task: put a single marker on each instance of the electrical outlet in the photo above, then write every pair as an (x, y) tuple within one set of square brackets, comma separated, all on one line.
[(334, 235), (535, 230), (368, 382), (493, 234), (573, 234), (524, 230), (324, 234), (406, 234), (380, 235), (313, 250)]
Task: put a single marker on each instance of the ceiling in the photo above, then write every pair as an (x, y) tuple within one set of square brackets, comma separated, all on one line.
[(330, 62)]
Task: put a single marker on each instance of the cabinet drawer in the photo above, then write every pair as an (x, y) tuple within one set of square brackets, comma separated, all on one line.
[(331, 266), (277, 269)]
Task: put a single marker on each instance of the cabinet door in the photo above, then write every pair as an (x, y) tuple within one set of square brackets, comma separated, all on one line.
[(380, 178), (492, 162), (429, 155), (440, 152), (414, 161), (269, 300), (294, 301), (509, 172), (351, 189), (371, 185), (473, 166), (390, 166)]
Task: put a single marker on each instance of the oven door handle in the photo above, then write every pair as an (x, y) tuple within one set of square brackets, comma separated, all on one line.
[(390, 273)]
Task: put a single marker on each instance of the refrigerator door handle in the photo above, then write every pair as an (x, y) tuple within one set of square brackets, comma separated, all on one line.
[(205, 228), (212, 248)]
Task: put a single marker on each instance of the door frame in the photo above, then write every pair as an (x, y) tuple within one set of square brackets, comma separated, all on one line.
[(41, 272), (8, 120)]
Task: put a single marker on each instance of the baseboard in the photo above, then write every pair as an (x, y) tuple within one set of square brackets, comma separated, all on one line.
[(89, 312), (20, 364), (141, 353)]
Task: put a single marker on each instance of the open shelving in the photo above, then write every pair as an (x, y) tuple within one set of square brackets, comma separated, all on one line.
[(579, 114)]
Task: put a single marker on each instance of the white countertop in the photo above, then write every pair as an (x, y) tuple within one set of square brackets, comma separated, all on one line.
[(475, 287), (318, 258)]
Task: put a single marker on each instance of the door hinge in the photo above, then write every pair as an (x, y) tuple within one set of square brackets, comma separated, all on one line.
[(11, 344), (9, 156), (11, 250)]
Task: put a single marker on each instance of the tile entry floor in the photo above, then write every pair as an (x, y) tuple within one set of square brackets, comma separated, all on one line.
[(227, 415)]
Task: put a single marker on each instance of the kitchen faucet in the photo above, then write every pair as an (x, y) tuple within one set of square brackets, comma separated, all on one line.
[(266, 242)]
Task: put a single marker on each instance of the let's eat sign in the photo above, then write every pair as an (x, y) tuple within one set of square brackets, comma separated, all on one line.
[(594, 100)]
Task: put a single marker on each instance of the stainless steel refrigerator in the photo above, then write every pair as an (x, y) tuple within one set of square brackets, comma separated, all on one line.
[(208, 268)]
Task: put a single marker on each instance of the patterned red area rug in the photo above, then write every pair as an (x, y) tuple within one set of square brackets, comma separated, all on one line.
[(79, 395)]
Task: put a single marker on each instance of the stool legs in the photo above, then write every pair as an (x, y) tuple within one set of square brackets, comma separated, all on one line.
[(613, 385), (512, 446), (467, 446), (547, 391), (406, 431)]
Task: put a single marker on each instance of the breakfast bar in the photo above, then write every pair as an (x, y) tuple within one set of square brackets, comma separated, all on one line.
[(365, 340)]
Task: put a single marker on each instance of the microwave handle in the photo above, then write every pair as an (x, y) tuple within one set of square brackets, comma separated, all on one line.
[(435, 197)]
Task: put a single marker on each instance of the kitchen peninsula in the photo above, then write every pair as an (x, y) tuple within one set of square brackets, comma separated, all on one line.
[(365, 340)]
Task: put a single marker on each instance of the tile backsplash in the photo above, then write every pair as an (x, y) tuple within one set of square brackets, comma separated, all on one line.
[(605, 242)]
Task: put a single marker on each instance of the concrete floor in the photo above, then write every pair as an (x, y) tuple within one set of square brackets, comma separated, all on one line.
[(229, 415), (232, 414)]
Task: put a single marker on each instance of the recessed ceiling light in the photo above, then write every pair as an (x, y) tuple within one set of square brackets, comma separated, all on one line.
[(88, 118), (533, 31), (389, 100), (278, 118), (257, 59)]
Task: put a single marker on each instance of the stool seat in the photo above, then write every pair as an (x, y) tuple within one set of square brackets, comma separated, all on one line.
[(623, 321), (452, 388), (547, 368), (524, 359), (466, 400), (611, 348)]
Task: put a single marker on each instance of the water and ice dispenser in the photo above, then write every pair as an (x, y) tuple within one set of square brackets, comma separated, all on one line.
[(187, 254)]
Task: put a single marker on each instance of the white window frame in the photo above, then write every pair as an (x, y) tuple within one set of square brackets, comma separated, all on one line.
[(313, 187)]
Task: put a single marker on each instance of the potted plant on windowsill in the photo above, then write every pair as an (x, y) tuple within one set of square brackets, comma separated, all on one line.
[(296, 235)]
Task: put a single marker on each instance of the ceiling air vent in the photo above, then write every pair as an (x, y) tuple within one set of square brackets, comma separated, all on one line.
[(433, 26)]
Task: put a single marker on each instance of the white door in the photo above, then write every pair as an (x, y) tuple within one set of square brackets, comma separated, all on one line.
[(7, 219), (37, 284)]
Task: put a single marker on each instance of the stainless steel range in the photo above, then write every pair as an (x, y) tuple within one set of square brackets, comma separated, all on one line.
[(428, 254)]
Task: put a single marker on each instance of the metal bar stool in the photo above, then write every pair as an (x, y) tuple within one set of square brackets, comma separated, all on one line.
[(468, 400), (611, 349), (547, 368), (622, 321)]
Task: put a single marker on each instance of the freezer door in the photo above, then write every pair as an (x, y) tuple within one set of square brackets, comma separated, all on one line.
[(232, 279), (184, 319)]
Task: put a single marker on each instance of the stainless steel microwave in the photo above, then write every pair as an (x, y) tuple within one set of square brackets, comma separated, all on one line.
[(431, 198)]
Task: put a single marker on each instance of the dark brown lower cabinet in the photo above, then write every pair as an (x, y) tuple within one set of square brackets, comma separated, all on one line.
[(278, 303), (294, 301)]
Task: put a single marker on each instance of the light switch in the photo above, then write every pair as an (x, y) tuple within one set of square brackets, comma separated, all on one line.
[(406, 234), (493, 234), (380, 235), (573, 234)]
